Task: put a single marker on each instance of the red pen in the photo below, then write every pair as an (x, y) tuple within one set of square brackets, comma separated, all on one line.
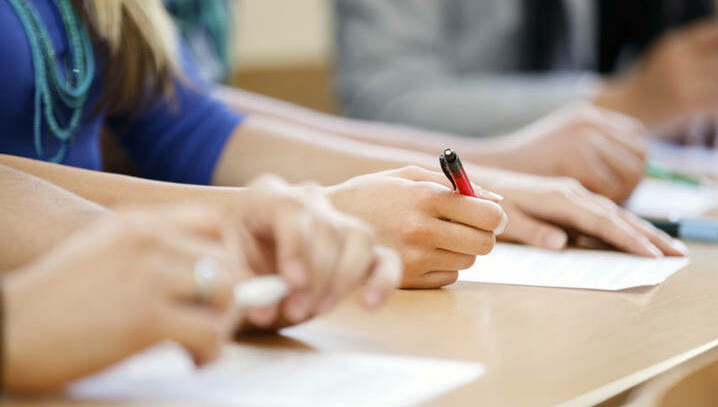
[(451, 165)]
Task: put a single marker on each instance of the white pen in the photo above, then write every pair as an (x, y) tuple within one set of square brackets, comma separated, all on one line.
[(262, 291)]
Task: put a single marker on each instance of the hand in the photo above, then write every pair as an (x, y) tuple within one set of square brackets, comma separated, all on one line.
[(436, 231), (604, 150), (675, 78), (119, 286), (323, 254), (540, 208)]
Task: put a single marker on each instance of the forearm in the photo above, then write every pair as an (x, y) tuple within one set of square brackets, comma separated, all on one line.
[(111, 190), (488, 151), (299, 154), (36, 215)]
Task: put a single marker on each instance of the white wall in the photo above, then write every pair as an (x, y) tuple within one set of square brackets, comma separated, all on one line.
[(282, 32)]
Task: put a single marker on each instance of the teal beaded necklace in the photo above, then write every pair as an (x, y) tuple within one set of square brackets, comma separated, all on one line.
[(51, 85)]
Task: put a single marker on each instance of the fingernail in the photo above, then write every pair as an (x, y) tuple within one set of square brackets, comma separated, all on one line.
[(680, 246), (654, 250), (556, 241), (294, 273), (372, 299), (327, 304), (298, 307), (486, 194), (502, 226)]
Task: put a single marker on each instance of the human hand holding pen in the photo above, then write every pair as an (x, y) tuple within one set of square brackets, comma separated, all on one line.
[(128, 281), (322, 254), (414, 210)]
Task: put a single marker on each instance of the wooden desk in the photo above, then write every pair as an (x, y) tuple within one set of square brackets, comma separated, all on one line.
[(540, 346)]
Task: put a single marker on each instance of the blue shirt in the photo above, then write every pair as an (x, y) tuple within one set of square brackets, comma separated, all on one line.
[(178, 141)]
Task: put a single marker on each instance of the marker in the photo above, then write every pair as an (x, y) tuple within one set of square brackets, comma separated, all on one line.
[(261, 291), (689, 229), (454, 171), (654, 170)]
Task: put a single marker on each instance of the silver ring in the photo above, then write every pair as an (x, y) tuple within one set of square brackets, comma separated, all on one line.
[(206, 271)]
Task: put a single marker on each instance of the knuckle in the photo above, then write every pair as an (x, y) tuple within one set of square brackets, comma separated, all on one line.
[(570, 185), (450, 278), (466, 262), (413, 260), (487, 244), (495, 214), (424, 193), (412, 169), (417, 231)]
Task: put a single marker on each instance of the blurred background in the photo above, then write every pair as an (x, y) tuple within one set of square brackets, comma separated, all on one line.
[(284, 49)]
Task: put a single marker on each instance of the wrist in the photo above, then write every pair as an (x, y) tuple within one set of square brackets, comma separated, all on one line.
[(619, 95)]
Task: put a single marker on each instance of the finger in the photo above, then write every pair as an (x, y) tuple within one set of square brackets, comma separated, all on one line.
[(601, 178), (292, 233), (327, 244), (625, 130), (436, 279), (208, 222), (415, 173), (627, 166), (295, 307), (600, 217), (263, 317), (668, 245), (197, 219), (473, 212), (383, 278), (527, 230), (440, 259), (357, 256), (459, 238), (200, 331), (260, 258), (175, 262)]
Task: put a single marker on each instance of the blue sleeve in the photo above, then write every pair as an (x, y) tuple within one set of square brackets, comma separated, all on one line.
[(179, 140)]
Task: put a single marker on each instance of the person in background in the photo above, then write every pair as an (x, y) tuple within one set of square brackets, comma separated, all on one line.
[(579, 142), (176, 132), (124, 280), (482, 68)]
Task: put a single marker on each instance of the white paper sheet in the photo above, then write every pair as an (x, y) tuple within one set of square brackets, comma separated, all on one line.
[(254, 376), (664, 199), (689, 160), (572, 268)]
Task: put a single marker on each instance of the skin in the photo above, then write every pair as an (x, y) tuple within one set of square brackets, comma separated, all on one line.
[(129, 272), (331, 160), (674, 80), (23, 198), (121, 285), (601, 148)]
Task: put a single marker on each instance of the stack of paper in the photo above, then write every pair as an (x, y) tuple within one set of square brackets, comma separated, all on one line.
[(664, 199), (254, 376), (572, 268)]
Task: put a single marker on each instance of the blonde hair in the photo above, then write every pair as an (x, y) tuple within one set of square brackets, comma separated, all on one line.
[(137, 44)]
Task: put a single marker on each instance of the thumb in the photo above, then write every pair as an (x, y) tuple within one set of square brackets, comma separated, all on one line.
[(524, 229)]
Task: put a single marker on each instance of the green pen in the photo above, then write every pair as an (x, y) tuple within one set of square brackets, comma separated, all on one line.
[(656, 171)]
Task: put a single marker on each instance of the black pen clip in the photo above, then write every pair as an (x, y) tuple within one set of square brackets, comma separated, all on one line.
[(445, 167)]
